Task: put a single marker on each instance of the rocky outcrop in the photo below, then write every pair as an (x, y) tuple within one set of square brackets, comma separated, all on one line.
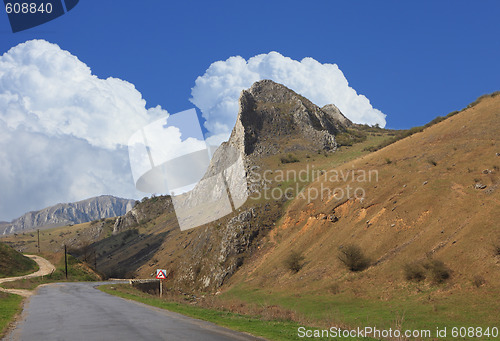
[(214, 253), (104, 206), (336, 114), (143, 212), (274, 119)]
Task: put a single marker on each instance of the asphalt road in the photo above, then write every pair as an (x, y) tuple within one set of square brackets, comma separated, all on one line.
[(78, 311)]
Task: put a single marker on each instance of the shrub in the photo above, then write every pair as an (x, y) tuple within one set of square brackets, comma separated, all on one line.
[(478, 281), (420, 270), (414, 272), (334, 289), (432, 162), (353, 258), (438, 270), (350, 137), (290, 158), (294, 261), (388, 161), (370, 149)]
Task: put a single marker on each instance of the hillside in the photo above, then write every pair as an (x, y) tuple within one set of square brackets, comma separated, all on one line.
[(13, 263), (104, 206), (435, 194), (427, 203), (420, 213), (148, 236), (427, 226)]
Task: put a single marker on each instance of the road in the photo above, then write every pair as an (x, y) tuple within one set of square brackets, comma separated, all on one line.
[(79, 311), (45, 268)]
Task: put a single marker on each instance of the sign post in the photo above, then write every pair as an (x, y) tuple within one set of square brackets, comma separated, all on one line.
[(161, 274)]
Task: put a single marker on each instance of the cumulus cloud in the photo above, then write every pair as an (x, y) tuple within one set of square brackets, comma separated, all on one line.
[(216, 93), (63, 131)]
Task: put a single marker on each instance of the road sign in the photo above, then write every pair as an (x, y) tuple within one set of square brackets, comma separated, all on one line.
[(161, 274)]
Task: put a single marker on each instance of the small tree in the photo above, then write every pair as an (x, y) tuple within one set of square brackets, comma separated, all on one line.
[(353, 258), (294, 261)]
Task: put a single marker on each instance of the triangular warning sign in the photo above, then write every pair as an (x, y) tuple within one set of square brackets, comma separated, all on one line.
[(161, 275)]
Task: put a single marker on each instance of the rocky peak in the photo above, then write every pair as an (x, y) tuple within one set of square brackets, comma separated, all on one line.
[(274, 119)]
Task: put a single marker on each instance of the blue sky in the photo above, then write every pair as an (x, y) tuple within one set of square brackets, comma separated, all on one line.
[(413, 60), (63, 131)]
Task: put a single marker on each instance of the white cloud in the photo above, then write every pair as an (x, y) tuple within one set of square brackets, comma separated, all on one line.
[(63, 131), (49, 91), (216, 93)]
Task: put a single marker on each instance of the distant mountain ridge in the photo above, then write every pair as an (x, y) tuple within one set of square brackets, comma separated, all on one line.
[(104, 206)]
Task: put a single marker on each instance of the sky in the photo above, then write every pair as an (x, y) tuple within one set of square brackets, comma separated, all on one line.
[(73, 90)]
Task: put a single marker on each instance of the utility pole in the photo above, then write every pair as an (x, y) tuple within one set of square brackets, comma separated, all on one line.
[(65, 261), (38, 240)]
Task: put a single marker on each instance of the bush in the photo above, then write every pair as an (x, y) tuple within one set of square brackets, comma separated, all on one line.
[(420, 270), (438, 270), (294, 261), (353, 258), (370, 149), (290, 158), (350, 137), (414, 272), (478, 281)]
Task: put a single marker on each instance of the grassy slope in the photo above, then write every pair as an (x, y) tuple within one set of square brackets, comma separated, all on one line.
[(150, 238), (13, 263), (445, 218)]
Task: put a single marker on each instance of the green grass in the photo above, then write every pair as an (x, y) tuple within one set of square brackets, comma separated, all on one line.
[(13, 263), (255, 325), (10, 305), (427, 310), (76, 273)]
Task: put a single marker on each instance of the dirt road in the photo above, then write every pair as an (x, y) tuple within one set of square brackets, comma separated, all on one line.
[(46, 268)]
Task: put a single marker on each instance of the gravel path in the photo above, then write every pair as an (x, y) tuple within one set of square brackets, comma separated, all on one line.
[(46, 268)]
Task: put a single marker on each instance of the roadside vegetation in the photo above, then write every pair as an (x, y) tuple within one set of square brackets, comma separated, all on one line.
[(404, 310), (271, 322), (10, 307)]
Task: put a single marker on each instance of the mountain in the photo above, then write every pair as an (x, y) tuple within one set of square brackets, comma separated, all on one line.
[(273, 119), (104, 206), (394, 229), (428, 214)]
